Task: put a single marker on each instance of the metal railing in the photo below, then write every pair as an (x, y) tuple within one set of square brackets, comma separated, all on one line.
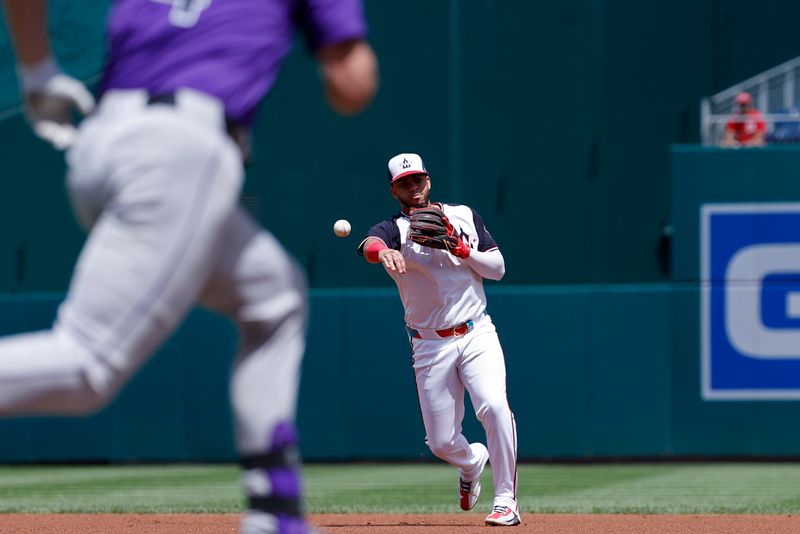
[(775, 94)]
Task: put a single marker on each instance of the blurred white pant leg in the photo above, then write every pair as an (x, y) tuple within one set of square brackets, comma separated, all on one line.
[(262, 289), (157, 188)]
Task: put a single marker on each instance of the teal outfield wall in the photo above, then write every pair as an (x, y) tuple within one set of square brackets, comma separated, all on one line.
[(552, 119), (713, 175), (593, 372)]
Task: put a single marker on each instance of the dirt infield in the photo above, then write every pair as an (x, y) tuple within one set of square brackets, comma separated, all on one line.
[(406, 524)]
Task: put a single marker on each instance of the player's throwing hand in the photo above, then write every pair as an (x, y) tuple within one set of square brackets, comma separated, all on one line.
[(392, 260)]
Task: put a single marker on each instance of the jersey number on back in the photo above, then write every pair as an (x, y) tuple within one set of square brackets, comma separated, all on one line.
[(184, 13)]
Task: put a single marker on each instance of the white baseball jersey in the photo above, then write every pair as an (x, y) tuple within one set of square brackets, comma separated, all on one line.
[(439, 292), (444, 296)]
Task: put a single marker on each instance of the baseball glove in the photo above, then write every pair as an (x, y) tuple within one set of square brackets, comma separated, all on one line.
[(430, 227)]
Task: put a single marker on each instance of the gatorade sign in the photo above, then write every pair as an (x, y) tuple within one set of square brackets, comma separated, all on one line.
[(750, 268)]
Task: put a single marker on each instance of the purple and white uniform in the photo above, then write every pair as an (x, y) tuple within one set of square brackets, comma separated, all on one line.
[(157, 181)]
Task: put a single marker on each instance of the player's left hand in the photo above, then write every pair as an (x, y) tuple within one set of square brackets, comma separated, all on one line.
[(52, 100), (431, 227)]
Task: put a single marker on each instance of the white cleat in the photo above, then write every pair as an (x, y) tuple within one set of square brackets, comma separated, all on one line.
[(503, 516), (470, 490)]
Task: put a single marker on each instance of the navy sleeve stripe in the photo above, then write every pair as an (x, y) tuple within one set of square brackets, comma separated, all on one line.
[(485, 239), (387, 231), (363, 241)]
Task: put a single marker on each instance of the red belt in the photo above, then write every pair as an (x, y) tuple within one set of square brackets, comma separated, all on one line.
[(456, 331)]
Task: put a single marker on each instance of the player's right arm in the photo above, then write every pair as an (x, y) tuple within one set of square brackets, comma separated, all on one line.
[(376, 251), (382, 245)]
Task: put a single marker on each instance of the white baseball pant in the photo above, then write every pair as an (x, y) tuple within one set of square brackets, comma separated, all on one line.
[(159, 187), (444, 368)]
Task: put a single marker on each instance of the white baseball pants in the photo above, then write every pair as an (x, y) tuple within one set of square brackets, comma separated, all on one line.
[(444, 368), (158, 185)]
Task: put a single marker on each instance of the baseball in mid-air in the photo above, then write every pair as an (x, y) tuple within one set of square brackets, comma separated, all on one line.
[(341, 228)]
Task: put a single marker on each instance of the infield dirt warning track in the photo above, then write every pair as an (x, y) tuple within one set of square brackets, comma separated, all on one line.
[(406, 524)]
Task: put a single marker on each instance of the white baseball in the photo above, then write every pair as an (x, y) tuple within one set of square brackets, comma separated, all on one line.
[(341, 228)]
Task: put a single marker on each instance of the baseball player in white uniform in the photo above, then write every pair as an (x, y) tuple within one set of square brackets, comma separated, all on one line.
[(453, 340), (156, 177)]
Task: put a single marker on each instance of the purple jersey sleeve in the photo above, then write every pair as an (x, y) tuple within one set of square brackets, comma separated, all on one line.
[(230, 49), (328, 22), (386, 230), (485, 239)]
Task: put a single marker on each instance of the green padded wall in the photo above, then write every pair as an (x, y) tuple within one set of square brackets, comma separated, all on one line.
[(594, 372), (553, 120), (712, 175)]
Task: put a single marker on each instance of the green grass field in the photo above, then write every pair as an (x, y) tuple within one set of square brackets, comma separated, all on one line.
[(411, 488)]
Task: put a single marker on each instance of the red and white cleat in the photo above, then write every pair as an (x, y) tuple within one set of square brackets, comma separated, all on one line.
[(470, 490), (503, 516)]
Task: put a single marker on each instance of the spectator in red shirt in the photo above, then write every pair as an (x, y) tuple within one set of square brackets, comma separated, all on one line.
[(747, 127)]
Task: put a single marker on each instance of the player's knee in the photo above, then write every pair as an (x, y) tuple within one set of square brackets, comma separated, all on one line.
[(441, 448), (439, 451), (94, 383), (297, 289), (283, 305), (492, 411), (80, 397), (93, 394)]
